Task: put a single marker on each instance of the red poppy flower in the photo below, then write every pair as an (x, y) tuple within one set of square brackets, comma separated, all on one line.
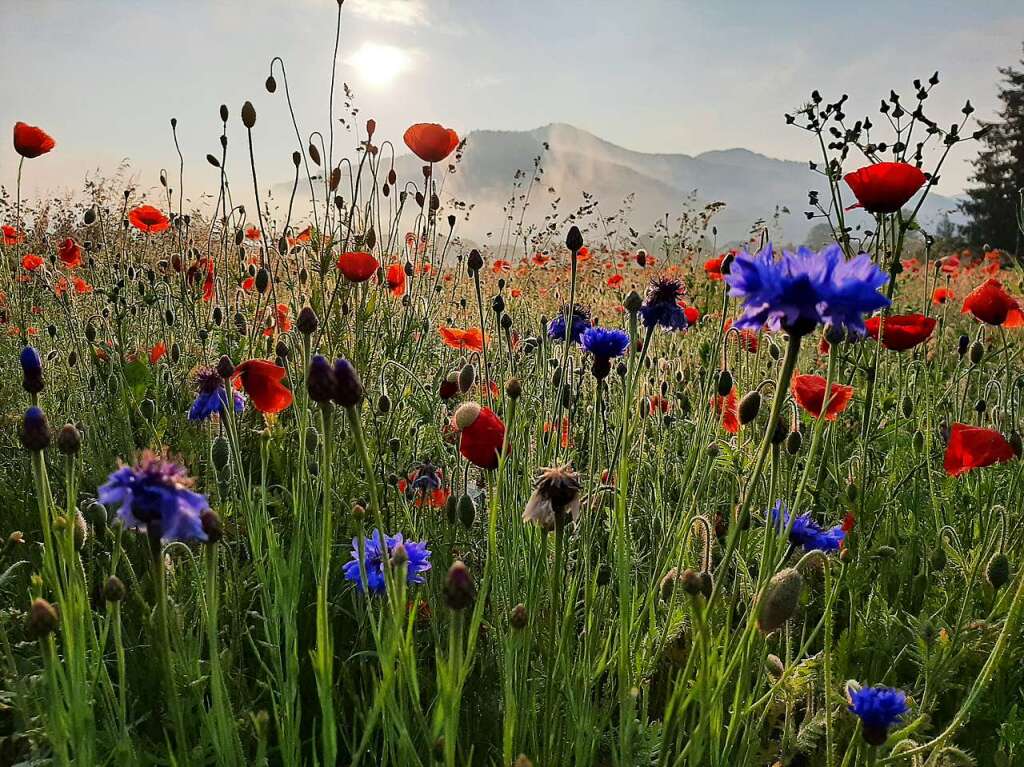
[(11, 235), (31, 262), (615, 280), (81, 286), (658, 404), (148, 219), (396, 279), (261, 380), (30, 141), (208, 281), (157, 352), (516, 293), (950, 265), (248, 284), (972, 447), (942, 295), (301, 238), (901, 331), (481, 434), (357, 266), (539, 259), (728, 408), (583, 254), (990, 303), (809, 393), (692, 312), (281, 321), (501, 265), (70, 253), (470, 339), (885, 187), (713, 268), (252, 233), (431, 142)]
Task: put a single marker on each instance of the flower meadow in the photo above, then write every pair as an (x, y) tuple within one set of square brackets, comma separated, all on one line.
[(333, 486)]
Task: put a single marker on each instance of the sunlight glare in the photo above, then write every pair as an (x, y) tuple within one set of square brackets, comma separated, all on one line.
[(378, 65)]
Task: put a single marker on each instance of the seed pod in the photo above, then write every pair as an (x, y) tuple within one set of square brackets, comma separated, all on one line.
[(724, 383), (459, 589), (248, 114), (749, 407), (475, 261), (997, 572), (780, 601), (467, 511)]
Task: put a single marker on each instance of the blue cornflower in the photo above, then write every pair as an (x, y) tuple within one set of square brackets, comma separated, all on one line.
[(805, 532), (580, 321), (155, 496), (425, 477), (879, 708), (604, 344), (32, 370), (211, 396), (801, 290), (661, 305), (416, 551)]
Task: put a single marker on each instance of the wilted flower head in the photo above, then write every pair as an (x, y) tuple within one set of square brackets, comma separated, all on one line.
[(371, 567), (555, 499), (661, 305), (579, 322), (155, 496), (878, 708), (802, 290), (211, 396)]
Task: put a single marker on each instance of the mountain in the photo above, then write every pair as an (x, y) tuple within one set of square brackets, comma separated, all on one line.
[(575, 162)]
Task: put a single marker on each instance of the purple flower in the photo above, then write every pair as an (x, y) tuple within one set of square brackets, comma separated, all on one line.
[(579, 321), (417, 554), (805, 532), (879, 708), (661, 305), (211, 397), (155, 496), (605, 343), (802, 290)]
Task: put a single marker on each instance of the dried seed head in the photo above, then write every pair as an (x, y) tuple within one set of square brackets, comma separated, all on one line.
[(555, 499), (519, 617)]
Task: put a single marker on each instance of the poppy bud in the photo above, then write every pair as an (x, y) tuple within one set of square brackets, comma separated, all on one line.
[(399, 557), (519, 617), (212, 526), (467, 511), (320, 381), (749, 407), (513, 389), (248, 114), (475, 261), (42, 619), (69, 439), (219, 451), (977, 351), (225, 368), (90, 216), (114, 589), (384, 404), (667, 584), (574, 239), (148, 409), (262, 280), (937, 560), (459, 589), (35, 431), (780, 600), (724, 383), (781, 432), (307, 321), (961, 345), (997, 572), (498, 304), (917, 441), (633, 302), (349, 389), (467, 376), (1016, 445), (271, 85), (691, 582)]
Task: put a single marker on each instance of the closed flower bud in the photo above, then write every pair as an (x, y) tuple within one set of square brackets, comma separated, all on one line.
[(467, 376), (633, 302), (384, 404), (212, 525), (475, 261), (513, 389), (691, 582), (148, 409), (220, 452), (977, 351), (348, 390), (35, 431), (225, 368), (467, 511), (749, 407), (320, 380), (42, 619), (459, 589), (114, 589), (248, 114), (32, 370), (780, 600), (451, 509), (519, 617), (961, 345), (668, 583), (997, 571), (69, 439), (937, 560), (574, 239), (724, 383), (307, 321)]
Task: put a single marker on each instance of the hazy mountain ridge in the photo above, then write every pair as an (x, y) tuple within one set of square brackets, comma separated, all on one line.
[(751, 184)]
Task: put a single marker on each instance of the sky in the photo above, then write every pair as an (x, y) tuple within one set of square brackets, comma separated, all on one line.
[(104, 77)]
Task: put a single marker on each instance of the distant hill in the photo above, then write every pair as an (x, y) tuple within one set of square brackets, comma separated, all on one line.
[(750, 184)]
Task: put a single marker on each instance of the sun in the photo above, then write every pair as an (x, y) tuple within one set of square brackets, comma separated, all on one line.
[(378, 65)]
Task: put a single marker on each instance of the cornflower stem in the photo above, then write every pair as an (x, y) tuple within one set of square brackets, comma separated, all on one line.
[(781, 390)]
